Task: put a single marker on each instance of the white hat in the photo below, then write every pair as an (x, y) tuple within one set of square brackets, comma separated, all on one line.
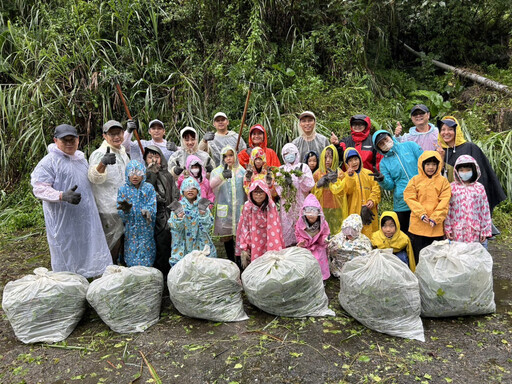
[(156, 121), (307, 113), (219, 114)]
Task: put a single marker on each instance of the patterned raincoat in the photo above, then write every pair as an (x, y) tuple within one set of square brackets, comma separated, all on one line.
[(256, 153), (229, 196), (259, 229), (316, 244), (302, 185), (361, 187), (139, 241), (204, 183), (469, 216), (192, 231), (342, 249), (332, 198), (399, 242)]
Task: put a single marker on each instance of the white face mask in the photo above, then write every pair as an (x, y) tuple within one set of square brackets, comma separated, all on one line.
[(195, 172), (289, 158), (465, 176), (387, 146)]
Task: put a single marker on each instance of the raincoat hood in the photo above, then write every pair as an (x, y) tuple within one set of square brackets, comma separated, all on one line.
[(258, 152), (154, 148), (225, 150), (427, 155), (335, 159), (459, 136), (351, 152), (258, 127), (394, 216), (190, 183), (291, 148), (311, 201), (263, 185), (133, 166), (182, 141), (353, 221), (360, 136), (194, 160), (78, 155), (466, 159), (374, 136)]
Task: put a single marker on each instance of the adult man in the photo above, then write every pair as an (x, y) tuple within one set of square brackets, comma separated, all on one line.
[(213, 143), (107, 166), (156, 131), (423, 133), (73, 227), (309, 140)]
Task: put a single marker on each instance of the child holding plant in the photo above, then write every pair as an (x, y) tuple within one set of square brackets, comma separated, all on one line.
[(136, 203)]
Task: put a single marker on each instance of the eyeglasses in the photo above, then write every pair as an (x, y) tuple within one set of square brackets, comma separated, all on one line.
[(115, 133)]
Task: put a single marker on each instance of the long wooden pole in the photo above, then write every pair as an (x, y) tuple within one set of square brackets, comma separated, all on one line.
[(243, 118), (130, 117)]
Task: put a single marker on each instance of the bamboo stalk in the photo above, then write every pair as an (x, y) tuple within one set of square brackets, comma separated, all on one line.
[(244, 115)]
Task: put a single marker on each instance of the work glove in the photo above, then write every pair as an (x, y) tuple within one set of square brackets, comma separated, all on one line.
[(203, 204), (177, 169), (378, 177), (209, 167), (176, 207), (131, 126), (323, 182), (288, 180), (147, 215), (269, 178), (72, 197), (366, 215), (209, 136), (171, 146), (227, 173), (124, 206), (249, 172), (245, 258), (153, 167), (332, 176), (108, 158)]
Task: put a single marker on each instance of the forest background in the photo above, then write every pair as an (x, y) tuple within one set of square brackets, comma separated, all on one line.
[(181, 61)]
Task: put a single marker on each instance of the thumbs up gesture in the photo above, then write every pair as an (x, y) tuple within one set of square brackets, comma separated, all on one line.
[(108, 158), (72, 197)]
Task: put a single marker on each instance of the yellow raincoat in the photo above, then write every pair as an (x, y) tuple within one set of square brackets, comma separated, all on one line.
[(398, 242), (332, 198), (361, 187), (428, 196)]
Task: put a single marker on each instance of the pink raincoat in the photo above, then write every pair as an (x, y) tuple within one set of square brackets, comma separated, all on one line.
[(259, 230), (303, 185), (206, 190), (469, 215), (315, 244)]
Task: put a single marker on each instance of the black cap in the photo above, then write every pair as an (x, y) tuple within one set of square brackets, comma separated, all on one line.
[(449, 122), (111, 124), (420, 107), (64, 130), (358, 119), (381, 136)]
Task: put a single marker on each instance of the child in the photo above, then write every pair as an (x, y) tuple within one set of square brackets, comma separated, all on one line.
[(227, 181), (312, 159), (257, 169), (292, 189), (348, 244), (311, 232), (390, 236), (363, 192), (469, 217), (190, 222), (136, 202), (330, 189), (188, 147), (259, 229), (428, 197), (196, 169)]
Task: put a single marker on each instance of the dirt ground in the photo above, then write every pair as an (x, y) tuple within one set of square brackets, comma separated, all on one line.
[(263, 349)]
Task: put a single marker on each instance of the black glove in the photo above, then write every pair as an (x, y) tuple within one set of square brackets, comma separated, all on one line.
[(153, 168), (209, 167), (171, 146), (131, 126), (177, 169), (288, 180), (378, 177), (176, 207), (203, 204), (72, 197), (332, 176), (226, 173), (323, 182), (209, 136), (124, 206), (248, 172), (269, 178), (366, 215), (108, 158), (147, 215)]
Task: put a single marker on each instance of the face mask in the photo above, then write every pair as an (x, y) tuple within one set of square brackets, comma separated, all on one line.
[(388, 145), (349, 231), (290, 158), (195, 172), (465, 176)]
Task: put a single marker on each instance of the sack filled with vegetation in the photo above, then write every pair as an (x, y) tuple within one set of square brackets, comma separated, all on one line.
[(206, 288), (455, 279), (382, 293), (127, 299), (287, 283), (46, 306)]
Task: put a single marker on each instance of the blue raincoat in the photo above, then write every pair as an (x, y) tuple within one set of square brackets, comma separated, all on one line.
[(139, 241), (192, 231), (398, 166)]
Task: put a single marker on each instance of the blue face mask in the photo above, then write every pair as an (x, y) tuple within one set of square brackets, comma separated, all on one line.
[(289, 158), (465, 176)]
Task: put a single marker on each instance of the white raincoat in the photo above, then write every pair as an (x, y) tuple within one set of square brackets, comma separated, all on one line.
[(181, 155)]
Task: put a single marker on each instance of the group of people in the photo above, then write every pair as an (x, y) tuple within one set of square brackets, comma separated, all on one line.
[(151, 202)]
